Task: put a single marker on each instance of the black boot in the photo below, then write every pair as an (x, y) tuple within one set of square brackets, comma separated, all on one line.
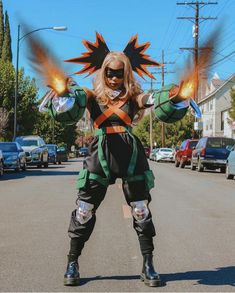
[(72, 276), (149, 276)]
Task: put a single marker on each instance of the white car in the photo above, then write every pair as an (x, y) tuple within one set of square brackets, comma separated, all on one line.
[(35, 149), (230, 164), (165, 154), (152, 155)]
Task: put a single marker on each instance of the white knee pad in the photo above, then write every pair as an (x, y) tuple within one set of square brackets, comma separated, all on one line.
[(84, 211), (140, 210)]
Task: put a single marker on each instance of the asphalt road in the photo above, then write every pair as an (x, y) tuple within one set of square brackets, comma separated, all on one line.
[(194, 249)]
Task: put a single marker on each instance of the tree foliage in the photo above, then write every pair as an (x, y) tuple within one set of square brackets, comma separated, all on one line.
[(3, 121), (6, 54), (175, 133), (53, 131), (1, 27)]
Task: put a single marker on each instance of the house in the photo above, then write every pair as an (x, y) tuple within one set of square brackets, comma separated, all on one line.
[(215, 105)]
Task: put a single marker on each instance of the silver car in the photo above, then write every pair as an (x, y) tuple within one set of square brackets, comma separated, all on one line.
[(35, 149), (230, 164), (164, 154)]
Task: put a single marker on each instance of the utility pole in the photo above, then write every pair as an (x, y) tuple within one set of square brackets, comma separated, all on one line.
[(163, 72), (196, 21)]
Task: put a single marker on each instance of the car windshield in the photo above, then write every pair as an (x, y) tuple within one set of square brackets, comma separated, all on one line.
[(30, 142), (51, 147), (8, 147), (193, 144), (61, 149), (219, 142), (166, 150)]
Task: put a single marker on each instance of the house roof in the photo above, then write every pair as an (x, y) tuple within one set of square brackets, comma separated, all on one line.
[(219, 84)]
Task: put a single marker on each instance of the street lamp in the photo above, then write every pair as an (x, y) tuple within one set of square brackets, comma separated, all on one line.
[(19, 38)]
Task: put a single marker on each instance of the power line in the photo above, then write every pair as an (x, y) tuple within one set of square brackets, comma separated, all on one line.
[(196, 21)]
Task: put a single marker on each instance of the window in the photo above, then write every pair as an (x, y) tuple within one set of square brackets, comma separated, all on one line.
[(211, 105), (222, 120)]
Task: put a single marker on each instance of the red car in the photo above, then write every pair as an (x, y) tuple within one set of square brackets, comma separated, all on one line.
[(184, 154), (147, 151)]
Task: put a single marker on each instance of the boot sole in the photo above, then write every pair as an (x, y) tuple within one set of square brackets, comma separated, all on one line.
[(71, 282), (151, 283)]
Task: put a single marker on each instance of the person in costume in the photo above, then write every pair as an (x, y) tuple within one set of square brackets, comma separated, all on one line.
[(113, 103)]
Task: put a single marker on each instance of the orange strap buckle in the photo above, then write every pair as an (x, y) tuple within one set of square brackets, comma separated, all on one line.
[(115, 129)]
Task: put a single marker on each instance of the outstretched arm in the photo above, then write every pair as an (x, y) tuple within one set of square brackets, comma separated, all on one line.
[(67, 107)]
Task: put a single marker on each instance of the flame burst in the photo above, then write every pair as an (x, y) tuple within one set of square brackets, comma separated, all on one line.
[(194, 73), (45, 64)]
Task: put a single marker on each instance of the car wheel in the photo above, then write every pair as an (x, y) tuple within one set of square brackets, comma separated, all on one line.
[(193, 168), (1, 168), (200, 167), (24, 168), (17, 169), (45, 165), (223, 169), (59, 163), (228, 175), (182, 164), (177, 163)]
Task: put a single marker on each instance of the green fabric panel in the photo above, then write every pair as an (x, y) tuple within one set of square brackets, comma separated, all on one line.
[(101, 157), (98, 178), (82, 178), (149, 179), (134, 178)]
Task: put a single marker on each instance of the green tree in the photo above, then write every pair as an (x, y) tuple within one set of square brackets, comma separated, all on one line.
[(231, 112), (27, 100), (3, 122), (175, 133), (7, 76), (53, 131), (6, 47), (27, 110), (1, 27), (141, 130)]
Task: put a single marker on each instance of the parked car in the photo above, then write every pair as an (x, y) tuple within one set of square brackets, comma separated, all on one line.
[(83, 152), (52, 153), (56, 154), (184, 153), (1, 163), (62, 154), (211, 153), (164, 154), (147, 151), (230, 164), (35, 149), (152, 155), (14, 156)]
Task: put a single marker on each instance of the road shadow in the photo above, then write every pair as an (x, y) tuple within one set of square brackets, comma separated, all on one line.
[(50, 171), (218, 277), (83, 281)]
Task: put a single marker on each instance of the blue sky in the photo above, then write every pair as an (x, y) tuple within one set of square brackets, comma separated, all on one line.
[(154, 21)]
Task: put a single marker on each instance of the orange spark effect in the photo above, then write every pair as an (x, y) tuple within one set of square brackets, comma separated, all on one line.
[(188, 89), (46, 66), (194, 73)]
